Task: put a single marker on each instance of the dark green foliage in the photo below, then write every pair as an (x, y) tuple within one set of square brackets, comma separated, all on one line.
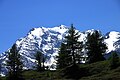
[(89, 71), (113, 74), (63, 60), (45, 75), (40, 60), (38, 57), (95, 46), (114, 60), (70, 50), (74, 47), (14, 64), (43, 61), (73, 72), (94, 71), (69, 54)]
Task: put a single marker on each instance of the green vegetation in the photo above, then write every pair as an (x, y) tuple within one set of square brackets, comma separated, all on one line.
[(95, 47), (14, 64), (39, 59), (70, 50), (114, 60), (63, 58), (94, 71)]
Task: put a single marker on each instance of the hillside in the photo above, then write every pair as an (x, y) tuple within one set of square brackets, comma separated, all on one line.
[(94, 71)]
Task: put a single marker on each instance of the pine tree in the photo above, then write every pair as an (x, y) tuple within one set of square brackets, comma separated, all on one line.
[(14, 64), (63, 59), (74, 47), (43, 62), (114, 60), (40, 60), (95, 47), (70, 50)]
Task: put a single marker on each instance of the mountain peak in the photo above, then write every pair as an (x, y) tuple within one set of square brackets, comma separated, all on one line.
[(63, 27)]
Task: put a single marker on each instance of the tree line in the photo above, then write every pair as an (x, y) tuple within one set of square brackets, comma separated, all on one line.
[(71, 50)]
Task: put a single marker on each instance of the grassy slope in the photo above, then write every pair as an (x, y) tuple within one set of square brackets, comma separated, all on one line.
[(101, 71), (95, 71)]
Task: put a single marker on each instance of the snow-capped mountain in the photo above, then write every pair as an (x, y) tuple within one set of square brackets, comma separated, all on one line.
[(113, 41), (48, 40)]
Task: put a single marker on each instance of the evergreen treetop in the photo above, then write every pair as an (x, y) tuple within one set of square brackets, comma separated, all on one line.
[(14, 64), (70, 49), (95, 47)]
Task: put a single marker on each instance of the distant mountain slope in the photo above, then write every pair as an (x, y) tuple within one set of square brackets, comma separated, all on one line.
[(113, 41), (46, 40)]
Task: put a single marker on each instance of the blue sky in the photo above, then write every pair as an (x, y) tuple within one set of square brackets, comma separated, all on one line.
[(17, 17)]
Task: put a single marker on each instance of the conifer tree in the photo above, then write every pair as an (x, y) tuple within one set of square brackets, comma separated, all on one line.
[(73, 45), (114, 60), (43, 62), (63, 60), (70, 49), (40, 60), (14, 64), (95, 47)]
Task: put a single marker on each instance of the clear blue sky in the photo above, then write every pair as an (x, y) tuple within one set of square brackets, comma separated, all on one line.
[(17, 17)]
